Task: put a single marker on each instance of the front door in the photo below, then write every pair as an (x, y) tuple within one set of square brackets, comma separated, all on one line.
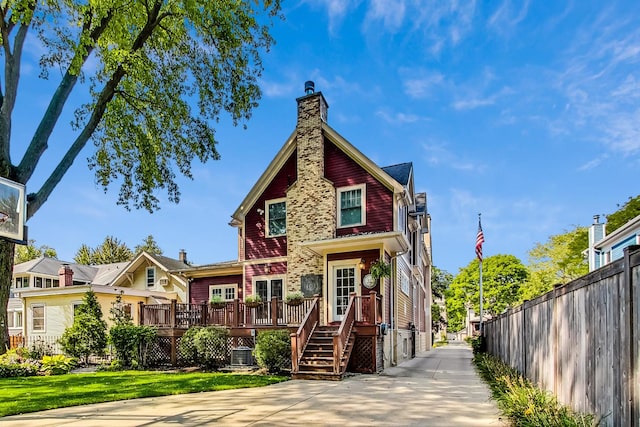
[(344, 282)]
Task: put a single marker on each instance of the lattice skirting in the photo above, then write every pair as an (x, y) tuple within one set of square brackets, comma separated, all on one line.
[(363, 356)]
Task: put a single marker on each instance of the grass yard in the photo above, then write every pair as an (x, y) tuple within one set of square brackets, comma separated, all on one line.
[(32, 394)]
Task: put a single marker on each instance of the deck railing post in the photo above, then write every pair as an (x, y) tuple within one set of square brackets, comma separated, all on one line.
[(204, 320), (172, 313), (274, 311), (236, 314), (373, 315)]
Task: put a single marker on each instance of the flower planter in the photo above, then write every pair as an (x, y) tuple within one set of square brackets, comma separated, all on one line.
[(294, 302), (252, 304), (217, 305)]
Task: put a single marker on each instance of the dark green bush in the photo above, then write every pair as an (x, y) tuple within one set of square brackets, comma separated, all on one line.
[(478, 344), (273, 350), (205, 346), (131, 343)]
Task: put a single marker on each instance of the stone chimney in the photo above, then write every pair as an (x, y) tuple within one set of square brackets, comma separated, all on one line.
[(65, 275), (311, 200), (182, 256)]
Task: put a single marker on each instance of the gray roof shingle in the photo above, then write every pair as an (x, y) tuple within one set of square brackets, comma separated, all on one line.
[(400, 172)]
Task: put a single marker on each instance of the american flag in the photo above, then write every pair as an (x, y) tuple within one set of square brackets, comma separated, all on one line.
[(479, 241)]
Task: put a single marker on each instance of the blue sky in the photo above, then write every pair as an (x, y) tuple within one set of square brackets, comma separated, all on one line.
[(528, 112)]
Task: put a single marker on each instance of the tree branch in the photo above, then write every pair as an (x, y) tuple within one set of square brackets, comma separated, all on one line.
[(35, 201), (41, 136)]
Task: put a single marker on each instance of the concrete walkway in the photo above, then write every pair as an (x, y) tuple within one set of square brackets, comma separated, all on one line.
[(438, 388)]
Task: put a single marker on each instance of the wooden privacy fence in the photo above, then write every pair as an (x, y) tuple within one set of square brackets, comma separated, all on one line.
[(580, 341)]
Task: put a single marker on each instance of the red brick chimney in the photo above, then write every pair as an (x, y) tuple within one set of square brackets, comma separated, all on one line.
[(65, 275)]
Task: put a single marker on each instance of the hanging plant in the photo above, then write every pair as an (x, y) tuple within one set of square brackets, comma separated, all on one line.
[(379, 269)]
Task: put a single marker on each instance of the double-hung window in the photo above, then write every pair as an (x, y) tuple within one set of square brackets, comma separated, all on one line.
[(351, 206), (276, 217), (37, 318)]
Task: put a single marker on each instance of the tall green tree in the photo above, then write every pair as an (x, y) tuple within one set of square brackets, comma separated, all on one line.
[(440, 281), (624, 214), (88, 334), (155, 76), (109, 251), (30, 251), (558, 261), (149, 245), (502, 278)]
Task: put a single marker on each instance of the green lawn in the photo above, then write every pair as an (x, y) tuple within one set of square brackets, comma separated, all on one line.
[(31, 394)]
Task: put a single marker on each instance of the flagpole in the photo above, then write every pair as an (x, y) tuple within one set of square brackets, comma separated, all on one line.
[(479, 242)]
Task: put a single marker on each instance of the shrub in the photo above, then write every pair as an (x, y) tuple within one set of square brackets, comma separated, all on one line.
[(205, 346), (524, 403), (294, 297), (252, 299), (273, 350), (478, 344), (57, 365), (88, 335), (14, 364), (38, 350)]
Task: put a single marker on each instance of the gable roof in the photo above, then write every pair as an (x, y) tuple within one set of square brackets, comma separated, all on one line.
[(163, 262), (400, 172), (289, 148)]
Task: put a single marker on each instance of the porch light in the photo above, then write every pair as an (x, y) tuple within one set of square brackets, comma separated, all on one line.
[(362, 264)]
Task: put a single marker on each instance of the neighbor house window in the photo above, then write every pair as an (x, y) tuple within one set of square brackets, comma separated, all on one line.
[(37, 283), (22, 282), (276, 217), (37, 318), (75, 306), (351, 206), (151, 276), (51, 283), (404, 284), (14, 317)]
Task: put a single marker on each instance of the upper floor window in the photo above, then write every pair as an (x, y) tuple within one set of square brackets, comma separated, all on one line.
[(151, 276), (21, 282), (51, 283), (351, 206), (276, 217)]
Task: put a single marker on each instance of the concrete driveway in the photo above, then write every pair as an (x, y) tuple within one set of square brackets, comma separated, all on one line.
[(438, 388)]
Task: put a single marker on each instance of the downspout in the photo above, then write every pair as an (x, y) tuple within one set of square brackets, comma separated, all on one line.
[(393, 308)]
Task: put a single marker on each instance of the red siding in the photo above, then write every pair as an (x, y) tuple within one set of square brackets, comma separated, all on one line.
[(276, 268), (256, 244), (343, 171), (199, 288)]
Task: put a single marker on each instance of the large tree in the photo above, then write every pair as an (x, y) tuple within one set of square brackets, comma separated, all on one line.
[(626, 213), (30, 251), (149, 245), (558, 261), (440, 281), (502, 278), (109, 251), (156, 74)]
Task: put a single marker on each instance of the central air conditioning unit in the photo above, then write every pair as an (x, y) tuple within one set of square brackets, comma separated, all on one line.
[(242, 356)]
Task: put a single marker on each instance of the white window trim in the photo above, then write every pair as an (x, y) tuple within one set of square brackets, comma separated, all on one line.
[(363, 204), (282, 277), (15, 314), (404, 276), (44, 318), (146, 276), (266, 216), (224, 286)]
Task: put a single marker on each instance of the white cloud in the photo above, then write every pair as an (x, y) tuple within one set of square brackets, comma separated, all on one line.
[(336, 10), (437, 154), (505, 18), (420, 86), (399, 118), (390, 12)]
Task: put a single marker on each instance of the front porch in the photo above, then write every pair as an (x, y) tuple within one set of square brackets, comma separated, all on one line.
[(354, 343)]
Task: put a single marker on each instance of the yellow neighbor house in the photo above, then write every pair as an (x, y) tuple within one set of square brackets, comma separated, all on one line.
[(46, 291)]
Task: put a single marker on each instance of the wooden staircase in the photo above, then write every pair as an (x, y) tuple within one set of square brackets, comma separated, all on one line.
[(317, 362)]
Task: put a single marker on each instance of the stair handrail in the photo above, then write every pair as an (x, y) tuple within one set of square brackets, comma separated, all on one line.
[(341, 337), (300, 338)]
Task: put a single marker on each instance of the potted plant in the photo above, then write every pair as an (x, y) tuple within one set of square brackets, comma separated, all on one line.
[(216, 301), (379, 269), (252, 301), (294, 298)]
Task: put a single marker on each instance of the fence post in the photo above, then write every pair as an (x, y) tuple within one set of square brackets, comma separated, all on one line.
[(554, 337), (634, 410), (523, 346), (140, 313), (204, 321), (236, 314)]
